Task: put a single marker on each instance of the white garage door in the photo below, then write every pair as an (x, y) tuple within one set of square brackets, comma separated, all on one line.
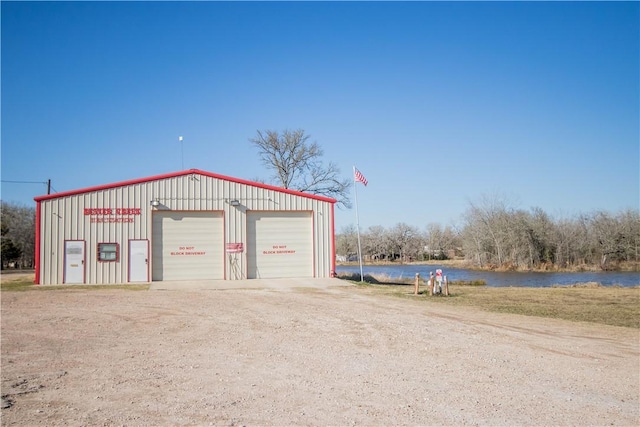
[(279, 244), (188, 245)]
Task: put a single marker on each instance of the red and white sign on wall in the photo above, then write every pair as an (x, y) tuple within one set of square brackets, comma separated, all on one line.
[(187, 250), (279, 250), (235, 248), (115, 215)]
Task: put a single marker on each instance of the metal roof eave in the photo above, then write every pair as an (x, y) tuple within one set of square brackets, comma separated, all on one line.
[(182, 173)]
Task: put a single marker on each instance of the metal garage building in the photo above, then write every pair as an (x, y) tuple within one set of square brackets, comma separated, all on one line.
[(188, 225)]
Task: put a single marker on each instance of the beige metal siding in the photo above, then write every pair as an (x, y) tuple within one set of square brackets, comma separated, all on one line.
[(65, 219)]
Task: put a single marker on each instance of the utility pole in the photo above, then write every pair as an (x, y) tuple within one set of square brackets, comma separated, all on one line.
[(49, 186)]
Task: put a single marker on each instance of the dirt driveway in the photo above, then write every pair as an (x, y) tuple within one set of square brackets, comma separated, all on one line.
[(303, 356)]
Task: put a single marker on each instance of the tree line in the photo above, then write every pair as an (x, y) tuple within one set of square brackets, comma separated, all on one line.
[(494, 235)]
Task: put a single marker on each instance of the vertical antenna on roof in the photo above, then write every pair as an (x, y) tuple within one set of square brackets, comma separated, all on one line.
[(181, 151)]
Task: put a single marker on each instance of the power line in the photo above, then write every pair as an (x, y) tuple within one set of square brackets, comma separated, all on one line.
[(24, 182), (47, 183)]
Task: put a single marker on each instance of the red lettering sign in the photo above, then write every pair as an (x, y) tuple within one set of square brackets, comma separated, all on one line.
[(234, 248), (112, 211), (112, 215), (279, 250)]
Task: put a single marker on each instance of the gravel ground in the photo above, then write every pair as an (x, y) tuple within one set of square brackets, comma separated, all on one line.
[(304, 356)]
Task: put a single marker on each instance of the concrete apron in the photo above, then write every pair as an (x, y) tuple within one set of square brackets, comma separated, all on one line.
[(286, 283)]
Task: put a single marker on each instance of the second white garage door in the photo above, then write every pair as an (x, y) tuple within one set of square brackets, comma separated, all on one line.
[(188, 245), (279, 244)]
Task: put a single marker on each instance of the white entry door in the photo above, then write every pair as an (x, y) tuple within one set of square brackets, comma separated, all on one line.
[(138, 260), (74, 261)]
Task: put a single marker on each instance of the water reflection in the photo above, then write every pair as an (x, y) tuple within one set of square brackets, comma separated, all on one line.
[(500, 279)]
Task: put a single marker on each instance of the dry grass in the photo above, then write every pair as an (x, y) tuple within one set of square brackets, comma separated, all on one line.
[(24, 282), (614, 306), (589, 302)]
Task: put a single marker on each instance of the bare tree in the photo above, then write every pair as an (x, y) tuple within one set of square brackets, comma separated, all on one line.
[(18, 235), (347, 241), (439, 241), (374, 242), (501, 236), (405, 242), (541, 232), (297, 164), (613, 237), (630, 226), (10, 252), (485, 231)]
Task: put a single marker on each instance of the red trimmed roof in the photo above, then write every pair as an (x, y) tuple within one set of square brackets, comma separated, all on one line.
[(181, 173)]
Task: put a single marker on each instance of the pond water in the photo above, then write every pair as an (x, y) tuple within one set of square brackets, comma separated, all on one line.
[(499, 279)]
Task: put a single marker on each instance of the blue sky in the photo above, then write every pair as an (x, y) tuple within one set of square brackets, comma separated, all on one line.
[(438, 104)]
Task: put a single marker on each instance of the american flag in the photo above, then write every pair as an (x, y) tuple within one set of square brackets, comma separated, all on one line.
[(359, 177)]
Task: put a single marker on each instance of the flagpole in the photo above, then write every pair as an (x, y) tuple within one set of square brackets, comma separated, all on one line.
[(355, 192), (181, 151)]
